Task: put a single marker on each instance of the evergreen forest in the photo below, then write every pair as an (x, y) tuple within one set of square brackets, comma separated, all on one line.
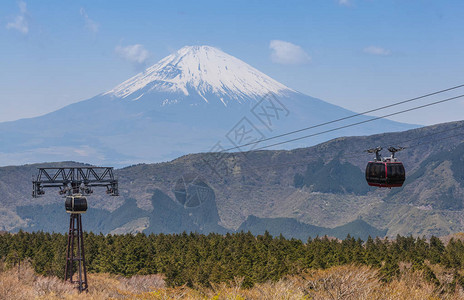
[(200, 260)]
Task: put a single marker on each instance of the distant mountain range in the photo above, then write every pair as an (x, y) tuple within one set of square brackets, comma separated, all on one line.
[(299, 193), (198, 99)]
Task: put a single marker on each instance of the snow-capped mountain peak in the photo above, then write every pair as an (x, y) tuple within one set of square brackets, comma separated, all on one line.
[(203, 70)]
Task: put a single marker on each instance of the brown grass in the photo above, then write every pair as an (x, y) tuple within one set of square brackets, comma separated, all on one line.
[(343, 282)]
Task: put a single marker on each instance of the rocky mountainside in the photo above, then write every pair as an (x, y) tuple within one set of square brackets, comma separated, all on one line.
[(322, 186), (198, 99)]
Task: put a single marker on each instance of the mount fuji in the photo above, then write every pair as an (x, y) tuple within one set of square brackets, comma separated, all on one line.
[(198, 99)]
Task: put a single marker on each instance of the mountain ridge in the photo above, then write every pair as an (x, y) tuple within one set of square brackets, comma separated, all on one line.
[(172, 119), (262, 183)]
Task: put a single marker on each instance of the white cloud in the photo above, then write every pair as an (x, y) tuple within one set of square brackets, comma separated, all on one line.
[(89, 23), (20, 22), (135, 54), (287, 53), (376, 50), (344, 2), (22, 7)]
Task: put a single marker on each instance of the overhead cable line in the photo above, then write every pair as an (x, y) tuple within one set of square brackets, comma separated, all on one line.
[(347, 117), (421, 137), (444, 138), (354, 124), (352, 156)]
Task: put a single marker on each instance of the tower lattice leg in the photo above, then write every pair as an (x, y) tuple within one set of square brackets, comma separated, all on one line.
[(75, 253)]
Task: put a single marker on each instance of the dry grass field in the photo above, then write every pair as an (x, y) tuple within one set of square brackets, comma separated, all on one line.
[(343, 282)]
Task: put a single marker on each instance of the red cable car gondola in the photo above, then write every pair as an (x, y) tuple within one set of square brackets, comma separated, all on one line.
[(385, 172)]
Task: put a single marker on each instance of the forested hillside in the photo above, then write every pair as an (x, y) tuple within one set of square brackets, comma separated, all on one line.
[(196, 259)]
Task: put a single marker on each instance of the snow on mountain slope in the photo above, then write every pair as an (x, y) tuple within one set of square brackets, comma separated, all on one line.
[(204, 70), (188, 102)]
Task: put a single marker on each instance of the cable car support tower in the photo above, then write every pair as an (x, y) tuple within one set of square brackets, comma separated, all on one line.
[(74, 183)]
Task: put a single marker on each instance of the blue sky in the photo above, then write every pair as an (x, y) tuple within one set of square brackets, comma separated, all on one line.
[(358, 54)]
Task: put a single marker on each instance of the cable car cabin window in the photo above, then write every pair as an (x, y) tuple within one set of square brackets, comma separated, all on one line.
[(395, 173), (375, 172), (380, 170)]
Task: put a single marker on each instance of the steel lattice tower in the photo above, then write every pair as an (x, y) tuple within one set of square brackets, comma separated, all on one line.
[(75, 182), (75, 253)]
